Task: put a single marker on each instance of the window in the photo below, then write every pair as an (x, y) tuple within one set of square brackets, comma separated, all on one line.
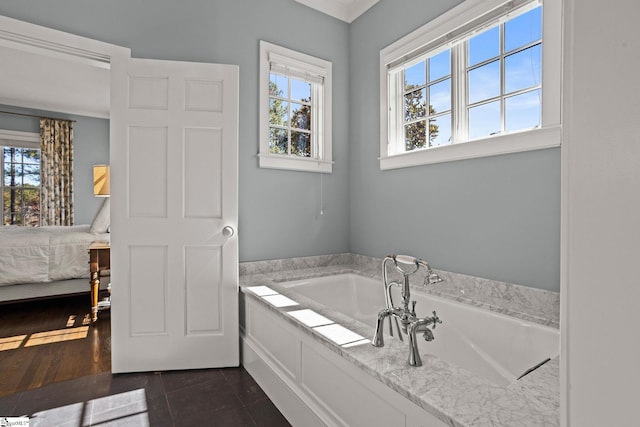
[(295, 110), (20, 178), (470, 84)]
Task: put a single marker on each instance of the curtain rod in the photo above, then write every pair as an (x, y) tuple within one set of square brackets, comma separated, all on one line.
[(33, 115)]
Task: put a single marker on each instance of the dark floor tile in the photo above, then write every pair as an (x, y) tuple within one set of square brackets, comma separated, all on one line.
[(64, 416), (54, 396), (199, 403), (245, 387), (150, 382), (234, 417), (234, 374), (8, 404), (175, 380), (119, 412), (265, 414), (159, 414)]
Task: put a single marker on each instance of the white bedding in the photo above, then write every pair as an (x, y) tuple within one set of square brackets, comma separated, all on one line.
[(45, 254)]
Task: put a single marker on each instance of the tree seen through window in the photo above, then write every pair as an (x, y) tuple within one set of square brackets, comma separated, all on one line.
[(20, 186), (289, 116)]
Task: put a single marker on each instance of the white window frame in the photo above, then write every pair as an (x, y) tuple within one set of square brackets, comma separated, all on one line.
[(317, 70), (454, 25), (11, 138)]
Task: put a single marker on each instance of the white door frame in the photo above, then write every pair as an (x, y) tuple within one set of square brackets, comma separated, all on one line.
[(76, 59)]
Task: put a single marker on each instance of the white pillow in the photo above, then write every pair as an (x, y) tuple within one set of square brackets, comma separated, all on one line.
[(101, 221)]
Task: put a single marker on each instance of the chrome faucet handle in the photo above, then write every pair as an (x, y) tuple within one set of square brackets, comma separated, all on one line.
[(406, 260), (432, 277), (435, 319)]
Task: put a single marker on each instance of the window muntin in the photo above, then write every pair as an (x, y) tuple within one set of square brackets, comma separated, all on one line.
[(503, 71), (494, 104), (427, 102), (290, 119), (505, 112), (295, 110), (20, 186)]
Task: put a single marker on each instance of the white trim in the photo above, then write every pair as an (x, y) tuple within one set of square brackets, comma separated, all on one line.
[(493, 146), (318, 72), (90, 58), (442, 32), (53, 43), (10, 137), (295, 163), (345, 10)]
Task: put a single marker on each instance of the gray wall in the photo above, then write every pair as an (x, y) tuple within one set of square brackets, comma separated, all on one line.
[(495, 217), (90, 147), (278, 209)]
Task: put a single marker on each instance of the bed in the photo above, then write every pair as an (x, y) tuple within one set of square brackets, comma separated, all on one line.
[(41, 262)]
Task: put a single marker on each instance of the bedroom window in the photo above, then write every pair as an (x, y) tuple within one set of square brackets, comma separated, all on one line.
[(295, 110), (20, 181), (470, 84)]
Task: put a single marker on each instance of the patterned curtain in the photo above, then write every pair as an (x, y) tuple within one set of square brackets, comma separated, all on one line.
[(56, 151)]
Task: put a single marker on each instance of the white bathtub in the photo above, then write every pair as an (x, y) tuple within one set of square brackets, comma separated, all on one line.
[(497, 347)]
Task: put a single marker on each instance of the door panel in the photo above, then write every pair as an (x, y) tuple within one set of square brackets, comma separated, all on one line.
[(174, 188)]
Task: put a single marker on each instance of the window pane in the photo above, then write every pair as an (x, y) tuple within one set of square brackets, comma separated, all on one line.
[(13, 174), (523, 111), (31, 180), (278, 85), (301, 144), (522, 69), (440, 97), (484, 46), (414, 105), (17, 153), (300, 116), (523, 29), (32, 156), (415, 76), (7, 174), (440, 130), (278, 141), (440, 65), (300, 90), (278, 112), (415, 135), (484, 82), (484, 120), (31, 206)]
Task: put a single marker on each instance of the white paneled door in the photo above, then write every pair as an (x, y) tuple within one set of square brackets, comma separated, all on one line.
[(174, 184)]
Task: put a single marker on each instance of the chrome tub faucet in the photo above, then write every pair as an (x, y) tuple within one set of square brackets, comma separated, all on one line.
[(411, 323)]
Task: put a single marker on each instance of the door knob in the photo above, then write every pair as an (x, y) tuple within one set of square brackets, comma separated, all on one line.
[(228, 231)]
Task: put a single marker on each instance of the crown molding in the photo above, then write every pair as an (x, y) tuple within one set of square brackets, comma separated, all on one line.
[(345, 10)]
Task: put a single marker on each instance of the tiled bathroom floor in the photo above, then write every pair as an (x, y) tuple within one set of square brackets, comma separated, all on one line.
[(69, 383), (210, 397)]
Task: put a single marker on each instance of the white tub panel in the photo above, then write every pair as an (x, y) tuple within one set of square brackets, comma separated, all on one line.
[(336, 389), (320, 388), (271, 333)]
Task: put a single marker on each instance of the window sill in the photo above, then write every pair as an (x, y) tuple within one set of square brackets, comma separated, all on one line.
[(295, 163), (502, 144)]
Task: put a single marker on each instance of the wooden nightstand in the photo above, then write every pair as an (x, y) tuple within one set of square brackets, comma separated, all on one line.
[(99, 260)]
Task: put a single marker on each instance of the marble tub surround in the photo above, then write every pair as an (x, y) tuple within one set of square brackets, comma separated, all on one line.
[(534, 305), (452, 394)]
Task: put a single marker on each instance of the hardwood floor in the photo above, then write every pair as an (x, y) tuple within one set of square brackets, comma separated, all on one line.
[(49, 349), (55, 369)]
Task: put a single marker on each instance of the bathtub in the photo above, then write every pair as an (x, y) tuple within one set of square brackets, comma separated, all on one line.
[(497, 347), (470, 372)]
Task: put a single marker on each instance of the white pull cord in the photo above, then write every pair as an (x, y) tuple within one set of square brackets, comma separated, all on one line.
[(321, 196)]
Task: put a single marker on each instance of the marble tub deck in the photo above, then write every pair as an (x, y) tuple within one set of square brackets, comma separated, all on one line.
[(452, 394)]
